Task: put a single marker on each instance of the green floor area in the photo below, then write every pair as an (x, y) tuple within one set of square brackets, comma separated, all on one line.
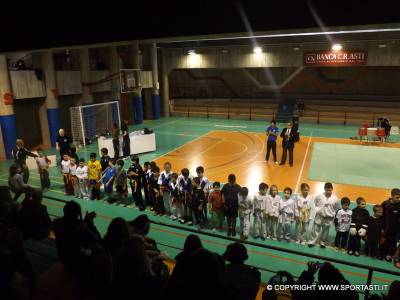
[(174, 132), (171, 240), (355, 164)]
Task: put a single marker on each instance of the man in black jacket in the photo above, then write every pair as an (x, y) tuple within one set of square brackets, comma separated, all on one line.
[(19, 154), (289, 137)]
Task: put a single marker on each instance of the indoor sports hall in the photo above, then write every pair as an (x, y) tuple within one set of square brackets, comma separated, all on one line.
[(207, 100)]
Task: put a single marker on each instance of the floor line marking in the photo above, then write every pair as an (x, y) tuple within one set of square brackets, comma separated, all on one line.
[(165, 124), (189, 142), (303, 164)]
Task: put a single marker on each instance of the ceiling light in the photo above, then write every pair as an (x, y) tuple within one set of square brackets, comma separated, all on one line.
[(382, 46), (257, 50), (296, 48), (191, 52), (337, 47)]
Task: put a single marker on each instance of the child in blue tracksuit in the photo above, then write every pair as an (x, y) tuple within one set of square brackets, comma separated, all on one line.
[(109, 176)]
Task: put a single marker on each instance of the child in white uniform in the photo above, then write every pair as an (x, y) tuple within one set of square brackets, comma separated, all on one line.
[(326, 206), (245, 208), (259, 204), (272, 212), (303, 208), (82, 175), (287, 210)]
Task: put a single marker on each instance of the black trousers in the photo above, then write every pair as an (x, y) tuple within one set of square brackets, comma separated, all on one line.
[(137, 195), (231, 224), (271, 145), (354, 243), (116, 148), (389, 247), (44, 179), (341, 239), (126, 147), (372, 248), (284, 155)]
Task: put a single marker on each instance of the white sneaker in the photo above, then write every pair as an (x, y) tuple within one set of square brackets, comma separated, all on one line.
[(277, 163), (298, 242), (190, 223), (304, 242), (274, 239), (173, 218)]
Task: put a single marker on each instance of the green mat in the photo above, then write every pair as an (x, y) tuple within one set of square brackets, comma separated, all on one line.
[(360, 165)]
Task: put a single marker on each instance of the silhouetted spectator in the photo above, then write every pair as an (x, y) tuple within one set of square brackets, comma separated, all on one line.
[(205, 279), (117, 233), (11, 242), (5, 196), (141, 226), (280, 278), (394, 291), (183, 260), (13, 285), (327, 275), (71, 232), (34, 221), (243, 280), (133, 274)]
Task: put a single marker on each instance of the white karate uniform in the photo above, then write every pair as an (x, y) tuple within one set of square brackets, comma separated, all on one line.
[(259, 208), (166, 195), (286, 217), (273, 214), (325, 211), (303, 212), (82, 174), (245, 208)]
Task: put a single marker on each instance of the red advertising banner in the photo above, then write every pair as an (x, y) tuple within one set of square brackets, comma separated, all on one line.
[(335, 58)]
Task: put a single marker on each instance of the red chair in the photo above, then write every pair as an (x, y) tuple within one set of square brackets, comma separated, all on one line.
[(381, 134), (362, 132), (365, 125)]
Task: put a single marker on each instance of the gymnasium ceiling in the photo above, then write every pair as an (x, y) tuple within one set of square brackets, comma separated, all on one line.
[(71, 23)]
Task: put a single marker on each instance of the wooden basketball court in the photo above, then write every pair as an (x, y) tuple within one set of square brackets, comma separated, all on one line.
[(242, 153)]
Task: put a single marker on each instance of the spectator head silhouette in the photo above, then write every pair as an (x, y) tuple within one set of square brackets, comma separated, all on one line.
[(236, 253)]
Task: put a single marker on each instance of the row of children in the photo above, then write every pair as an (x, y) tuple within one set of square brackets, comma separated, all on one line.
[(188, 199)]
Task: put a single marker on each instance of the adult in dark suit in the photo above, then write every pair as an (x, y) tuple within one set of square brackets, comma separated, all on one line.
[(289, 137), (20, 154)]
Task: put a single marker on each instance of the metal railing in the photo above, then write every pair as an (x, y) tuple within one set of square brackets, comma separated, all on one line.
[(370, 269), (228, 111)]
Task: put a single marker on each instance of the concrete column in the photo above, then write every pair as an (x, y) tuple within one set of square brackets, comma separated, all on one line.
[(50, 113), (148, 110), (87, 96), (165, 85), (7, 117), (156, 85), (116, 64), (138, 95)]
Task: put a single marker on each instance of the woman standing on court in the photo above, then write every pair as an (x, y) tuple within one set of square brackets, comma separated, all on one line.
[(19, 154), (126, 147)]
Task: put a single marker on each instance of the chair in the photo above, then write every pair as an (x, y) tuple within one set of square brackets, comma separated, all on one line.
[(362, 132), (365, 125), (394, 130), (381, 134)]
